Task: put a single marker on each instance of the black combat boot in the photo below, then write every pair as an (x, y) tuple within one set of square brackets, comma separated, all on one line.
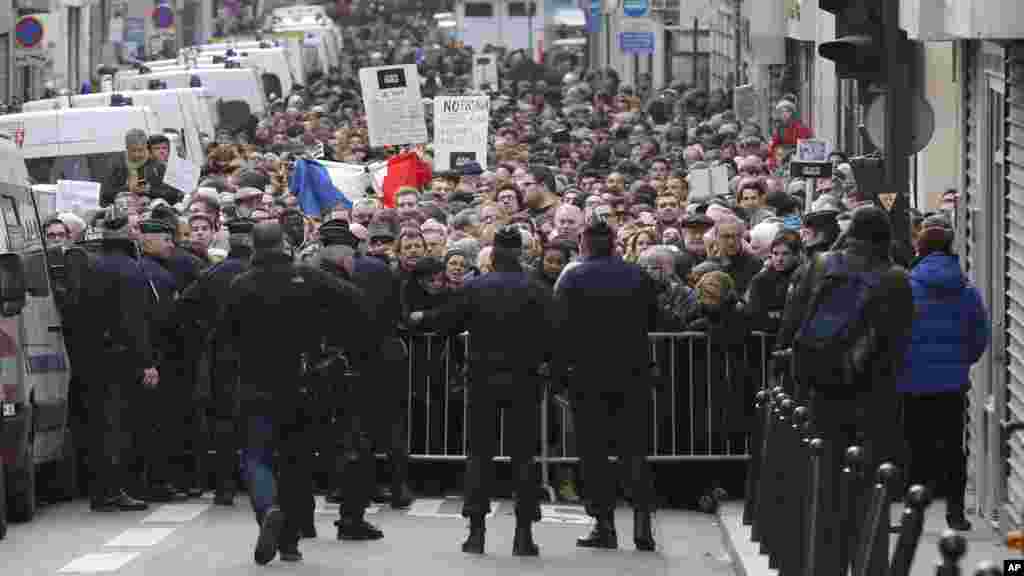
[(522, 542), (474, 544), (643, 536), (603, 535), (358, 529)]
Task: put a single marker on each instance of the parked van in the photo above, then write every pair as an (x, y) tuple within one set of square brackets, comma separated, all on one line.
[(80, 143), (184, 111), (36, 372), (224, 84), (275, 71), (292, 49)]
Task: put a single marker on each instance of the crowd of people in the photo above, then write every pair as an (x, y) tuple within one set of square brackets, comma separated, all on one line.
[(234, 276)]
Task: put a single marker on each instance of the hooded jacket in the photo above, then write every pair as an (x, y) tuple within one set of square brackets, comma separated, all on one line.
[(950, 331)]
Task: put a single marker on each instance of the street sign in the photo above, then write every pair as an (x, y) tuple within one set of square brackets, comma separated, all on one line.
[(637, 36), (29, 32), (635, 8), (394, 107), (922, 123), (460, 131), (810, 169)]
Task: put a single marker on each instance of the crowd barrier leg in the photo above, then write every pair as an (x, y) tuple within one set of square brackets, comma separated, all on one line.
[(545, 465)]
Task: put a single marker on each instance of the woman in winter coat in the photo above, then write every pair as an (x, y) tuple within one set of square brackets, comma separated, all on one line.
[(950, 333), (767, 293)]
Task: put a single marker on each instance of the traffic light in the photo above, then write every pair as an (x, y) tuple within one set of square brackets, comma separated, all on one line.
[(859, 50)]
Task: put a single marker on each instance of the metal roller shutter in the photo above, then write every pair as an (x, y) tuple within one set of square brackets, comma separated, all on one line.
[(968, 208), (1014, 270)]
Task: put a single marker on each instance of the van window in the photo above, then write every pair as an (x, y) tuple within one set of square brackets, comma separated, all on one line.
[(93, 167), (479, 10), (518, 9), (36, 279)]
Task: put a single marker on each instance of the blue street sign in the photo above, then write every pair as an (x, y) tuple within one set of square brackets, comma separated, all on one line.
[(28, 32), (636, 42), (635, 8)]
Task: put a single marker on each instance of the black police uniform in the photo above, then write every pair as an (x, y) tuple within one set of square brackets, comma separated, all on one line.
[(162, 411), (200, 304), (276, 315), (508, 315), (359, 424), (115, 337), (608, 306)]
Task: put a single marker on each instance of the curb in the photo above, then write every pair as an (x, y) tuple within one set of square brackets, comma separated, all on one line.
[(746, 556)]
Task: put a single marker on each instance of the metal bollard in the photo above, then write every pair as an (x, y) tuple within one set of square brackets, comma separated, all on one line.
[(754, 468), (873, 555), (911, 526), (814, 553), (851, 492), (797, 488), (952, 548), (783, 498), (763, 497)]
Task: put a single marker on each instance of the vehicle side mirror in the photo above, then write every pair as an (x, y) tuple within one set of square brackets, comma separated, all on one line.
[(13, 287)]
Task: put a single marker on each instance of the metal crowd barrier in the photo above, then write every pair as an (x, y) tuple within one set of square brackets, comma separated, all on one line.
[(698, 408), (792, 497)]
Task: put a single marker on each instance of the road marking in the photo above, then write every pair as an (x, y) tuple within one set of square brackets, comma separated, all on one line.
[(447, 508), (140, 537), (175, 513), (98, 563), (555, 514), (323, 507)]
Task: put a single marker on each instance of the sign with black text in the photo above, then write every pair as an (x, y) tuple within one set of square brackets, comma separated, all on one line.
[(460, 131), (394, 107)]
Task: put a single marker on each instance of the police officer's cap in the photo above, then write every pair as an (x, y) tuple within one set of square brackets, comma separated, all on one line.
[(698, 221), (337, 233), (598, 228), (240, 226), (153, 226), (509, 238)]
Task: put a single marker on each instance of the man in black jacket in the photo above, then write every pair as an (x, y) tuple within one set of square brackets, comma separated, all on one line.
[(200, 305), (498, 309), (115, 335), (371, 400), (137, 172), (275, 317), (608, 307)]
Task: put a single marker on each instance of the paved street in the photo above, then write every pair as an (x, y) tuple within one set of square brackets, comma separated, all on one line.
[(198, 539)]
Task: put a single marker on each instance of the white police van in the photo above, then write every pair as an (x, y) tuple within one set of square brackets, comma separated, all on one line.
[(34, 368)]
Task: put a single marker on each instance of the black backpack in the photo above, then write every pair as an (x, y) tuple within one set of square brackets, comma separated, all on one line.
[(836, 341)]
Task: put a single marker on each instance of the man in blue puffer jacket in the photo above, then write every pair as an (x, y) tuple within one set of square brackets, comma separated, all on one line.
[(950, 333)]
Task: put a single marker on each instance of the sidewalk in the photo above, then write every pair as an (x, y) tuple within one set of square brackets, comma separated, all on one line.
[(982, 542)]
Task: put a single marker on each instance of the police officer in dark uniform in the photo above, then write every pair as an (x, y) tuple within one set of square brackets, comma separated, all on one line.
[(371, 401), (608, 306), (199, 305), (186, 269), (498, 309), (161, 412), (275, 316), (115, 337)]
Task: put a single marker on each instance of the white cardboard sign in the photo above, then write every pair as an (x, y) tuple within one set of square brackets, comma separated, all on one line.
[(813, 150), (394, 107), (77, 195), (460, 131)]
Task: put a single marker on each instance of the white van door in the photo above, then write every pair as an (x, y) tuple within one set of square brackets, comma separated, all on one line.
[(36, 133)]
